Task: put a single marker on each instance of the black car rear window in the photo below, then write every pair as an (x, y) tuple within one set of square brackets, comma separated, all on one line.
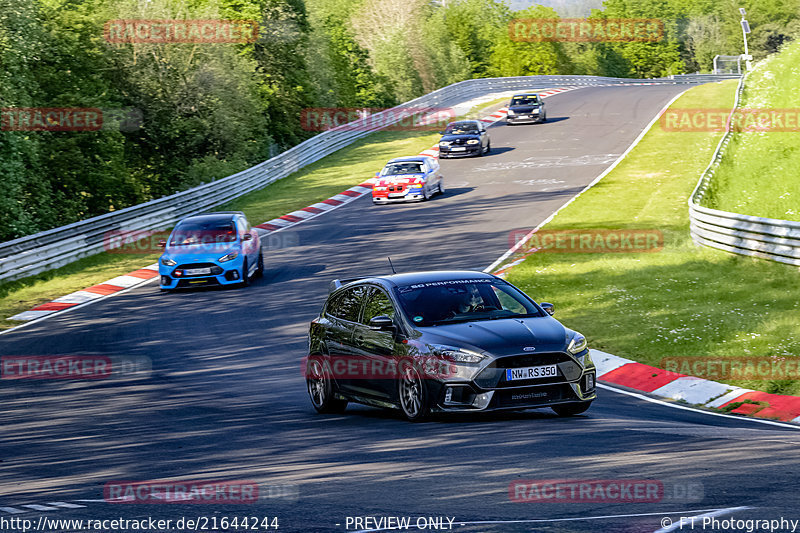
[(444, 302)]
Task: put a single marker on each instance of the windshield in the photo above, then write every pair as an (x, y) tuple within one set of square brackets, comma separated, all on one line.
[(397, 169), (213, 232), (524, 100), (445, 302), (459, 128)]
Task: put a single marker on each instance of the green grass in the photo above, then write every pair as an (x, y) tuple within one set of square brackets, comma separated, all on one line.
[(339, 171), (683, 301), (759, 170)]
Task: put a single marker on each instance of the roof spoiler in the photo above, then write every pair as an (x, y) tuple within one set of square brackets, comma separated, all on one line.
[(335, 284)]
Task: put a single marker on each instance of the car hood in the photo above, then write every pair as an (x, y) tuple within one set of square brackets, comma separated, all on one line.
[(503, 337), (523, 108), (404, 178), (197, 253), (463, 136)]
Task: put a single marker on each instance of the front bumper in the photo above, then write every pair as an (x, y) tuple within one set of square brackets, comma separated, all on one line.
[(228, 273), (523, 119), (470, 150), (404, 194), (489, 391)]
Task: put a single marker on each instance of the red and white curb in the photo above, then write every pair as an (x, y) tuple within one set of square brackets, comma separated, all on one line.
[(89, 294), (148, 273), (693, 390)]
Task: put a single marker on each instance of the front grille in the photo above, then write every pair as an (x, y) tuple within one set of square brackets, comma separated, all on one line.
[(216, 270), (534, 396), (494, 375)]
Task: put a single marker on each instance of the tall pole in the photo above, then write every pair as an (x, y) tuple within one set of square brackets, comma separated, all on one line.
[(745, 30)]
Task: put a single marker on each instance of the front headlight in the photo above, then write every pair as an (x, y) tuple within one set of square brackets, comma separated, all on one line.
[(473, 141), (577, 344), (511, 113), (445, 143), (416, 186), (230, 256), (459, 355), (166, 261), (380, 188)]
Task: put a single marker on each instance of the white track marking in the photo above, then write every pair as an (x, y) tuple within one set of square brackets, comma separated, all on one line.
[(579, 519), (525, 239), (696, 410)]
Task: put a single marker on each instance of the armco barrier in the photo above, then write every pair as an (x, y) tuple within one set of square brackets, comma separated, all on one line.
[(50, 249), (767, 238)]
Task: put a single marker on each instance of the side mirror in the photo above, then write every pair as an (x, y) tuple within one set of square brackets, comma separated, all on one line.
[(441, 133), (247, 236), (162, 243), (377, 174), (548, 308), (381, 323)]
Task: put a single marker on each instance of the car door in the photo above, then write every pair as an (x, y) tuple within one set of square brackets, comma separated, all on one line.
[(379, 351), (342, 312), (436, 174)]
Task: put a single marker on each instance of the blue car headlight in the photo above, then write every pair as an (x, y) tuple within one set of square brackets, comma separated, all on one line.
[(166, 261), (230, 256), (473, 141)]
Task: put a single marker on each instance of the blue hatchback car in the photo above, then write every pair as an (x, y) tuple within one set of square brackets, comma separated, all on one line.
[(211, 249)]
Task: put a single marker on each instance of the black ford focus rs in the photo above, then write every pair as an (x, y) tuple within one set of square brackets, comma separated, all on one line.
[(443, 342)]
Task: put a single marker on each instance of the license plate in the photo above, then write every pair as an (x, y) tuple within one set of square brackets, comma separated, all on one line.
[(459, 149), (197, 271), (532, 372), (396, 194)]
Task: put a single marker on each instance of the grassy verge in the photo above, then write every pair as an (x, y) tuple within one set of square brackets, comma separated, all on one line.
[(758, 174), (684, 300), (314, 183)]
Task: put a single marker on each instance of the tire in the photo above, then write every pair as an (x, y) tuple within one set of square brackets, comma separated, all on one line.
[(413, 396), (321, 389), (544, 117), (488, 147), (441, 186), (571, 409), (245, 276), (260, 268), (425, 194)]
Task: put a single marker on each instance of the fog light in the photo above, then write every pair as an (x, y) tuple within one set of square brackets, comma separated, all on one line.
[(448, 395), (482, 400), (165, 280), (589, 381)]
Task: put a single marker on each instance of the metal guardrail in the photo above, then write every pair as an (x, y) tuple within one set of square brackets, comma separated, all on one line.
[(53, 248), (767, 238)]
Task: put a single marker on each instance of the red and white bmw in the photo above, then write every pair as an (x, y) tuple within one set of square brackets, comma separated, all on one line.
[(408, 178)]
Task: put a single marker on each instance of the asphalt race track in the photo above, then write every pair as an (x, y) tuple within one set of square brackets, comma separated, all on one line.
[(226, 398)]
